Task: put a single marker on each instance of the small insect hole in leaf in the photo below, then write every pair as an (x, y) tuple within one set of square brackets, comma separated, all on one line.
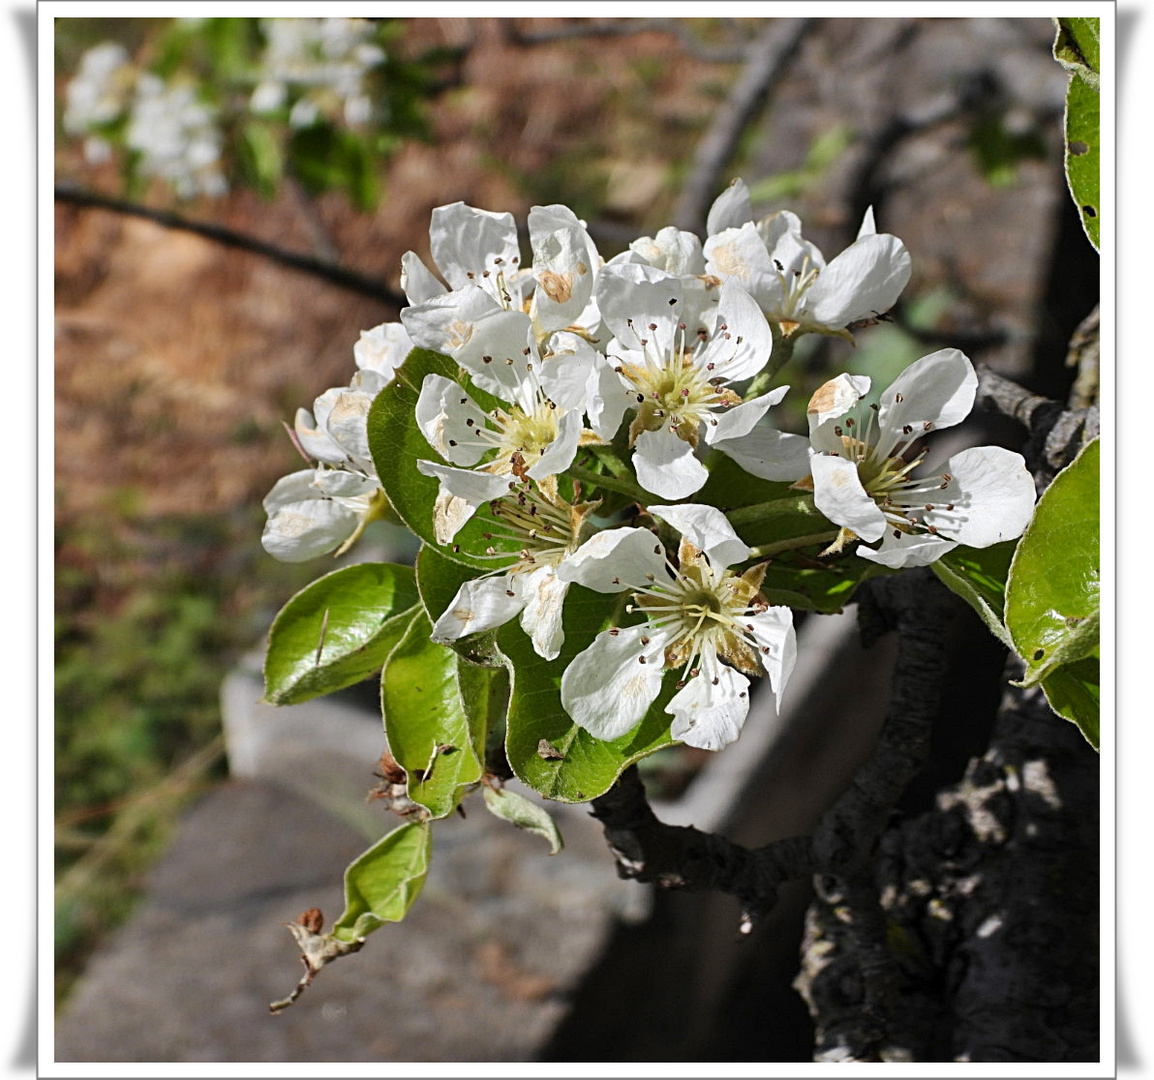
[(1039, 653), (1078, 148), (1089, 211)]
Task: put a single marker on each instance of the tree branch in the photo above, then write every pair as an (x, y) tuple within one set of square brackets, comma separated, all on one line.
[(1056, 433), (677, 857), (319, 268)]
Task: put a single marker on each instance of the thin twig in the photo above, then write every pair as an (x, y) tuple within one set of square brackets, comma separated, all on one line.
[(320, 268)]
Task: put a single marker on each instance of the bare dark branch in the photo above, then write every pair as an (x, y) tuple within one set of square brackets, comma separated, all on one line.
[(319, 268)]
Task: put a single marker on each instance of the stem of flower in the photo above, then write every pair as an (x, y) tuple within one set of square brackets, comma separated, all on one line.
[(612, 462), (780, 356), (768, 550), (624, 484), (788, 506)]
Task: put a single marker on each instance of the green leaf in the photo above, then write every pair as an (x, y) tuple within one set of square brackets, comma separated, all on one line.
[(1074, 691), (978, 576), (382, 883), (437, 708), (800, 580), (575, 766), (322, 157), (525, 814), (1052, 596), (337, 631), (1077, 49), (259, 157), (397, 445)]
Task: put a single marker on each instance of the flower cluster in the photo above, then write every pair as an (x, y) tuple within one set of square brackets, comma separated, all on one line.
[(319, 66), (645, 365), (172, 132), (208, 95)]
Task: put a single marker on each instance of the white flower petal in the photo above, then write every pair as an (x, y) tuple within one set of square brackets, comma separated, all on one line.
[(864, 280), (343, 484), (731, 209), (314, 440), (742, 349), (833, 399), (348, 422), (768, 453), (566, 370), (616, 559), (638, 301), (772, 631), (609, 400), (899, 549), (450, 512), (303, 530), (370, 382), (607, 688), (444, 411), (868, 226), (383, 348), (543, 594), (480, 604), (296, 487), (665, 464), (474, 487), (673, 250), (559, 454), (710, 710), (829, 403), (561, 266), (839, 495), (937, 390), (992, 495), (741, 419), (417, 281), (740, 254), (465, 240), (499, 353), (707, 529), (447, 322)]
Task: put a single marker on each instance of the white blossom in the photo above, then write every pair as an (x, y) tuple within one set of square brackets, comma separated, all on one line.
[(700, 617), (323, 63), (534, 433), (177, 137), (327, 507), (545, 533), (97, 95), (677, 377), (862, 471), (788, 276), (477, 251), (378, 353)]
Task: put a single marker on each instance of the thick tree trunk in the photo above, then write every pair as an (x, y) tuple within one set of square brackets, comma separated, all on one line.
[(990, 903)]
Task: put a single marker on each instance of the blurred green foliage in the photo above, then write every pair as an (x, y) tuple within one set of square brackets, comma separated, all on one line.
[(310, 133), (149, 617)]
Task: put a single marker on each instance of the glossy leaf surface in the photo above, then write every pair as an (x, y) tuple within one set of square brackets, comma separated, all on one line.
[(337, 631)]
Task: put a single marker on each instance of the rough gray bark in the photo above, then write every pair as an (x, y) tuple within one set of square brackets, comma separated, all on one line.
[(979, 918)]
